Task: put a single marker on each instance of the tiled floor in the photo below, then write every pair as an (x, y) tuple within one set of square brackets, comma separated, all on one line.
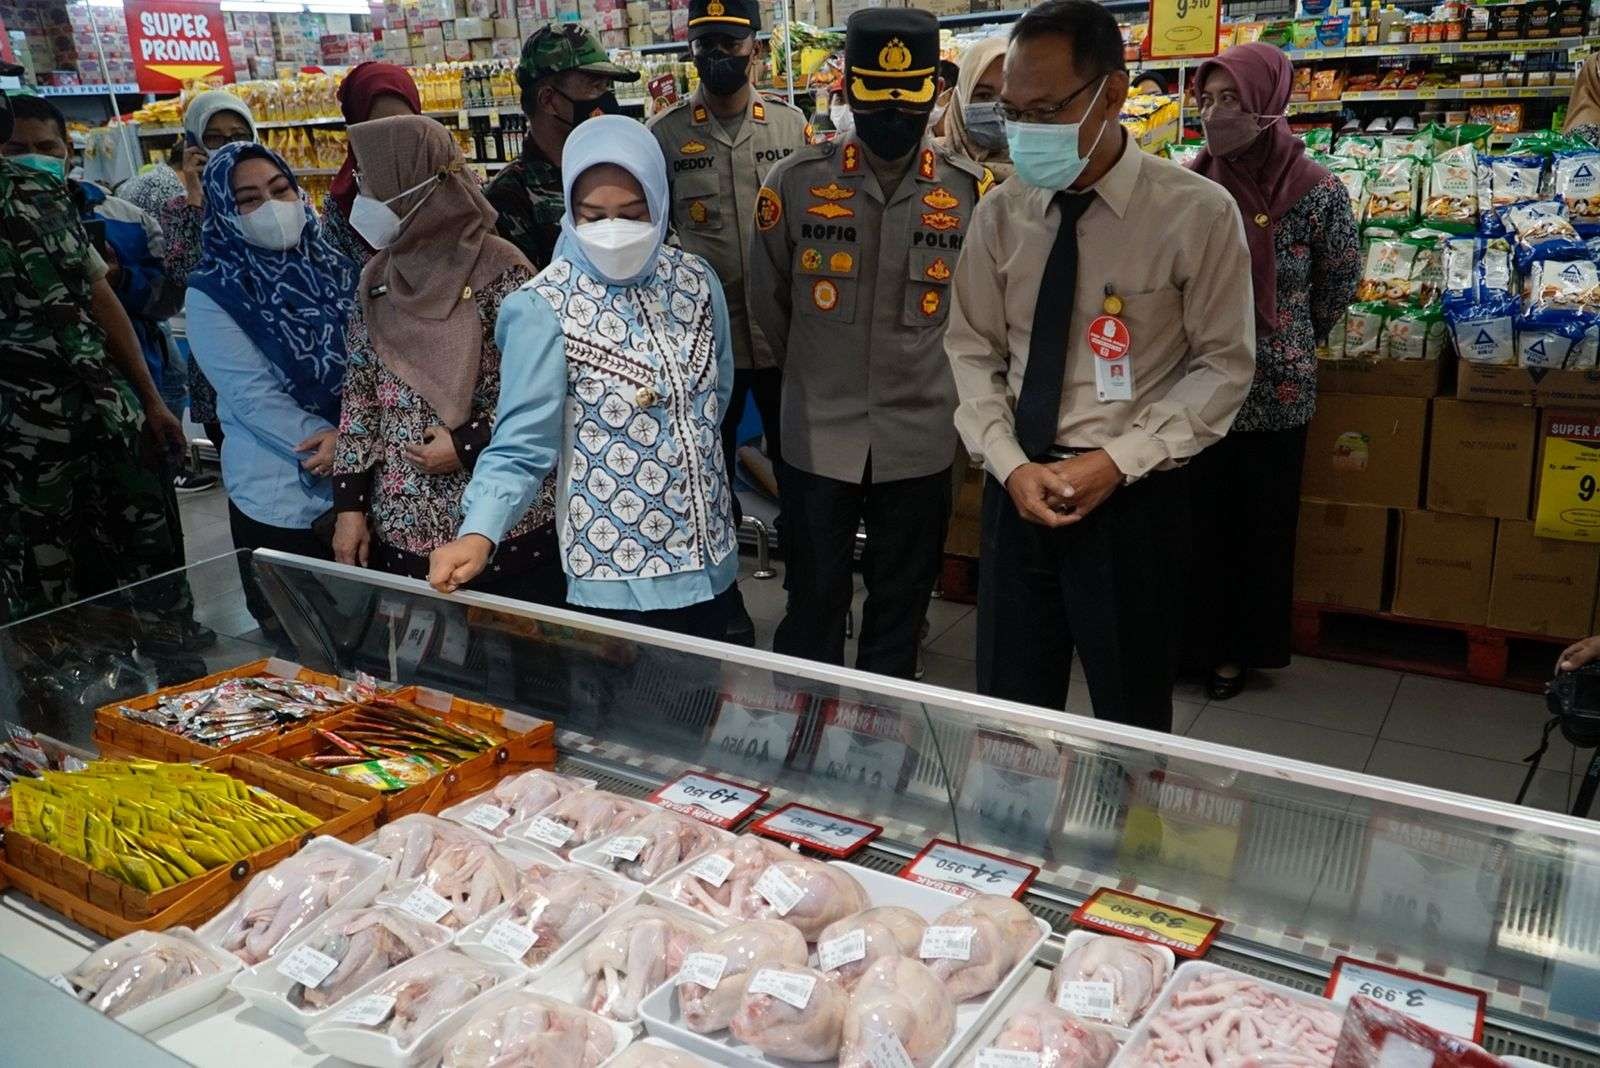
[(1451, 735)]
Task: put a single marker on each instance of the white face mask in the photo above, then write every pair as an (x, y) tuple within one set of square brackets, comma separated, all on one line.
[(842, 117), (274, 224), (617, 248), (376, 222)]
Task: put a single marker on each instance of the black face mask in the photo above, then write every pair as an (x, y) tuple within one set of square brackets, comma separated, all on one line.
[(604, 104), (891, 133), (722, 74)]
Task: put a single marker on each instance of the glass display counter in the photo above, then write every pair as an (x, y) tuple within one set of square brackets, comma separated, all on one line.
[(1304, 864)]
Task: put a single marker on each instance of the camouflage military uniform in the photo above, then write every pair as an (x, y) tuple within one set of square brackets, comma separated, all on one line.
[(528, 196), (79, 514)]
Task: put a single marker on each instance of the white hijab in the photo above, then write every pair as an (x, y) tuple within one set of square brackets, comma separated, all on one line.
[(623, 142)]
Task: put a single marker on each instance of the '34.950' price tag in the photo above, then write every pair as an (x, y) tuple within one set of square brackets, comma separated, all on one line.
[(1188, 934), (966, 871), (1455, 1010), (719, 802)]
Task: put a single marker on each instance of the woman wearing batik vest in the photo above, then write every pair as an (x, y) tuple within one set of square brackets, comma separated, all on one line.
[(616, 366)]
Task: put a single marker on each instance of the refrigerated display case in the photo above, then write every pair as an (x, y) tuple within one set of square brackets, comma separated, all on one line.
[(1304, 864)]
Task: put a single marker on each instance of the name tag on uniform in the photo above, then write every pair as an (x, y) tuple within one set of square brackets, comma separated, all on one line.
[(1113, 365)]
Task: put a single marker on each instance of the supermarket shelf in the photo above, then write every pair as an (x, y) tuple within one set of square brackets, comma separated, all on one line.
[(1318, 107), (280, 124), (1444, 48), (87, 90)]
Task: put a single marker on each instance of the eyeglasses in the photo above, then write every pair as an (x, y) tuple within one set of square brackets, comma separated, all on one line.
[(215, 141), (1045, 114)]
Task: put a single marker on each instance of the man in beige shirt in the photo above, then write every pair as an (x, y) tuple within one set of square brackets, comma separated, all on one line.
[(1085, 513)]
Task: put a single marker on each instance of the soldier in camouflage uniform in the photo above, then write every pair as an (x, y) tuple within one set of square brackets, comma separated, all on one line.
[(79, 513), (565, 78)]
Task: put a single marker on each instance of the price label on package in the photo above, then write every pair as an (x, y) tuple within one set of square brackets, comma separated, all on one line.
[(1188, 934), (1093, 1001), (825, 832), (307, 966), (703, 968), (1006, 1058), (946, 943), (712, 868), (780, 891), (790, 987), (509, 938), (547, 831), (846, 949), (425, 904), (625, 846), (966, 871), (889, 1053), (1455, 1010), (367, 1011), (489, 817), (719, 802)]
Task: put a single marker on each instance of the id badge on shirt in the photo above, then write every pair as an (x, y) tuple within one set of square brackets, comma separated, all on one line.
[(1113, 364)]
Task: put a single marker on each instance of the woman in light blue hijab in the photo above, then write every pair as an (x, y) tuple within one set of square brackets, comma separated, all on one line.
[(617, 364)]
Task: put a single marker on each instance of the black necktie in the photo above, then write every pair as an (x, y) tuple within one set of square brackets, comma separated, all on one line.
[(1039, 406)]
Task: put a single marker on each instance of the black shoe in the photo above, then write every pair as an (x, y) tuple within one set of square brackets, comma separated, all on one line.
[(194, 482), (1222, 687), (741, 628)]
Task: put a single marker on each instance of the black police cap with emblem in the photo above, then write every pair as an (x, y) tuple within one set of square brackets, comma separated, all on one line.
[(731, 18), (891, 58)]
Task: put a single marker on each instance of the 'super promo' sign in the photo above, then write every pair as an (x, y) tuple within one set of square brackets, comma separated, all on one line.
[(177, 41)]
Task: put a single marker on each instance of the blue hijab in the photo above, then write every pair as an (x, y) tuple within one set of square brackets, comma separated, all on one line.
[(292, 304), (625, 142)]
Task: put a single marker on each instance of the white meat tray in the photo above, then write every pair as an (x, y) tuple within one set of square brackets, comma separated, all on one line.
[(658, 1049), (1030, 992), (377, 1048), (457, 813), (1189, 972), (594, 854), (471, 938), (663, 1019), (567, 981), (525, 832), (519, 991), (1077, 938), (372, 871), (179, 1002)]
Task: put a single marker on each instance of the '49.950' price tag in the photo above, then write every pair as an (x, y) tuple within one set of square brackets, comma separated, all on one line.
[(719, 802), (1188, 934), (966, 871), (1455, 1010), (825, 832)]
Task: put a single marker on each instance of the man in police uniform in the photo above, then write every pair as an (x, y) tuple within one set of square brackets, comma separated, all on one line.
[(856, 241), (565, 77), (719, 145)]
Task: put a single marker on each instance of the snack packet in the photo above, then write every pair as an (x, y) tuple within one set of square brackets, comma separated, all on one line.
[(1363, 330), (1356, 147), (1418, 146), (1514, 179), (1461, 134), (1386, 274), (1392, 192), (1577, 183), (1553, 342), (1541, 231), (1318, 138), (1414, 334), (1475, 267), (1354, 176), (1562, 289), (1451, 202), (1182, 152), (1484, 333)]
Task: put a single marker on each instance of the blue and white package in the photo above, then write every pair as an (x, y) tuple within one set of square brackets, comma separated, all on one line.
[(1577, 183), (1555, 290), (1476, 269), (1484, 334), (1512, 180), (1542, 231), (1553, 343)]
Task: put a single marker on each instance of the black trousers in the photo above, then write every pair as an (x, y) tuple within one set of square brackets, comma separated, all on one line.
[(765, 387), (250, 534), (906, 522), (1246, 491), (1110, 586), (708, 619)]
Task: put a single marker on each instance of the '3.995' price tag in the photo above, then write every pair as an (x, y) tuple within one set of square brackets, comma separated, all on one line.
[(966, 871), (1188, 934), (719, 802), (1455, 1010)]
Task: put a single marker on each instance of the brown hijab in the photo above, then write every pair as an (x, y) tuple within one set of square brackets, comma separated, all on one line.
[(423, 321), (1584, 105)]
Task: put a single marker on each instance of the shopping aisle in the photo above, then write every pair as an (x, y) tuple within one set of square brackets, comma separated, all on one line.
[(1451, 735)]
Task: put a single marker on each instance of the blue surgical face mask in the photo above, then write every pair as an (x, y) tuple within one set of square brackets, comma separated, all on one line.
[(1046, 154), (52, 165)]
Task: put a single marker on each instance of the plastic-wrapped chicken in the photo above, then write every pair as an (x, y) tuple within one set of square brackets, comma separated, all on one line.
[(427, 993), (413, 842), (527, 1030), (648, 1054), (1376, 1036), (552, 909), (719, 883), (515, 798), (285, 898), (655, 845), (1131, 973), (796, 1013), (582, 817), (469, 877), (638, 950), (898, 998), (131, 971), (732, 955), (365, 943), (847, 947), (971, 947), (1221, 1016), (1058, 1039)]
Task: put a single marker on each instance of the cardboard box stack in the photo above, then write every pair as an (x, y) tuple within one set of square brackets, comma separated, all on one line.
[(100, 32)]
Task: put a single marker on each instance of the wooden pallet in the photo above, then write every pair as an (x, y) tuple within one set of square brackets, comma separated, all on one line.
[(1426, 647)]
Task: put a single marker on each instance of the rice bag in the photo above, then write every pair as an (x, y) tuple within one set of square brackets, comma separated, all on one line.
[(1564, 290), (1577, 183), (1414, 334), (1452, 198), (1392, 192), (1363, 330), (1541, 231)]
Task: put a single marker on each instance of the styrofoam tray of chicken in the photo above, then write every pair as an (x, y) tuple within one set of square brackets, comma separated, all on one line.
[(1109, 981), (1212, 1015), (412, 843), (283, 900), (147, 979), (549, 918), (402, 1019), (514, 799), (466, 880), (517, 1025), (1028, 1023), (904, 970), (650, 1052), (361, 944), (580, 818), (657, 847)]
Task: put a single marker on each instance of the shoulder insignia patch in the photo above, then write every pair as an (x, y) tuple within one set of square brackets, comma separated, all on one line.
[(700, 114), (986, 182), (769, 209), (925, 165), (852, 158), (758, 111)]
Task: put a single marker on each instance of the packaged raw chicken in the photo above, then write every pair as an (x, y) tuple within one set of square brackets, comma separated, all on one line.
[(899, 1001), (1212, 1015), (712, 979), (520, 1029), (547, 913), (847, 947), (133, 971), (1376, 1036), (639, 949), (513, 799), (413, 842), (719, 883), (654, 846), (284, 899), (1060, 1040), (972, 946), (462, 881), (652, 1053), (397, 1018), (580, 818), (362, 944), (796, 1013), (1110, 979)]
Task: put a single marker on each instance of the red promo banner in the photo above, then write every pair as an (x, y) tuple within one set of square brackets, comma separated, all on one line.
[(177, 41)]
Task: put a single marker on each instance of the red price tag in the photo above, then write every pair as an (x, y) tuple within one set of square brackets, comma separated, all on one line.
[(969, 872), (838, 836), (719, 802), (1455, 1010)]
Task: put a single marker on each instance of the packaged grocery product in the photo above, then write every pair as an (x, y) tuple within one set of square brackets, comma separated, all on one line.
[(130, 972), (1514, 179), (343, 951), (239, 708), (580, 818), (520, 1027), (1376, 1036), (1183, 152), (898, 1001), (1451, 202), (1476, 266), (1577, 183), (995, 932), (1484, 333), (1387, 272), (793, 1012), (1318, 138), (1414, 334), (1456, 135), (845, 948), (1555, 342), (1392, 191), (1354, 176), (403, 1012), (653, 846), (1427, 269), (712, 981), (1333, 347), (1541, 231), (1417, 146), (389, 744), (1236, 1019), (1110, 979), (638, 949), (1059, 1039), (1357, 147), (762, 880), (1563, 289), (414, 842), (547, 913), (1363, 329)]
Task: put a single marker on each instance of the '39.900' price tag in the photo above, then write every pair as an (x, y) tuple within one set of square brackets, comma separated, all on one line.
[(1455, 1010), (1188, 934)]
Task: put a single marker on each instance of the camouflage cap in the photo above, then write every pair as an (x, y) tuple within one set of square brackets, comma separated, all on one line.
[(561, 47)]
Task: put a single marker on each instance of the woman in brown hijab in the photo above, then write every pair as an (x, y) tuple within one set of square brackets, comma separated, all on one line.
[(424, 372), (1583, 107)]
